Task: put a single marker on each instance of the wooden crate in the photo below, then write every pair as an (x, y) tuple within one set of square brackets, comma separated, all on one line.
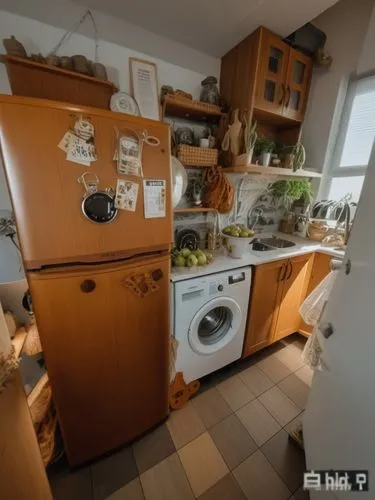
[(31, 79)]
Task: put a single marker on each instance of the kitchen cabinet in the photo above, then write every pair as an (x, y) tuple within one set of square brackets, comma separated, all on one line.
[(278, 290), (294, 286), (275, 78), (321, 267), (264, 305)]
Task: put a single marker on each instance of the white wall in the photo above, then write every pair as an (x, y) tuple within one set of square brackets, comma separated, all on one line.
[(367, 59), (39, 37), (345, 25)]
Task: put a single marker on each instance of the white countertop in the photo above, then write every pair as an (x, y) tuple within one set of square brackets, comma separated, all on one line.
[(223, 262)]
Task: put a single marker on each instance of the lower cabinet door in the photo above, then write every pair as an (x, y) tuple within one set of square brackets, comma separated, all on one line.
[(264, 305), (294, 289), (105, 335)]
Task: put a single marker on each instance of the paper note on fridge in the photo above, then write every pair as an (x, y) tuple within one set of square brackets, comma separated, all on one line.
[(126, 195), (154, 193)]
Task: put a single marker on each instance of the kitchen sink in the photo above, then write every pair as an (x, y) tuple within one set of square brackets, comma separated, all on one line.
[(268, 244)]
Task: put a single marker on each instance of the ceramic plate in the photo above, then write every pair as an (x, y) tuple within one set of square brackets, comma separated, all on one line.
[(124, 103), (179, 180)]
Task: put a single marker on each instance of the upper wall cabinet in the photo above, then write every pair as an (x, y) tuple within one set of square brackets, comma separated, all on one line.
[(265, 74)]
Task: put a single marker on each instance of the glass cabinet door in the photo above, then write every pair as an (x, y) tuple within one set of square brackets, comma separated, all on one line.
[(270, 87), (297, 85)]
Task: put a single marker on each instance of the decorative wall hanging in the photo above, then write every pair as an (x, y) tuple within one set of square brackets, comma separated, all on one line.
[(126, 195), (128, 154), (97, 206), (78, 143), (144, 86)]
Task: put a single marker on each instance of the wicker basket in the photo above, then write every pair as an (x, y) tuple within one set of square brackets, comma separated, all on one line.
[(199, 157), (316, 231), (205, 107)]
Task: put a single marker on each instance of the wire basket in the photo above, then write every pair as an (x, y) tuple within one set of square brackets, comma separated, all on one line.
[(199, 157)]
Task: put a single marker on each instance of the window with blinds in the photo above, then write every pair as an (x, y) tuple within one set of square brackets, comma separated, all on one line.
[(360, 132), (354, 141)]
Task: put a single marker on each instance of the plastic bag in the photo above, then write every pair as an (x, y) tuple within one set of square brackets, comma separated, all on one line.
[(312, 307), (311, 311)]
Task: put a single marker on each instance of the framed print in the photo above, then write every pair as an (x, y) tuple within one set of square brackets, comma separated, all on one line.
[(144, 86)]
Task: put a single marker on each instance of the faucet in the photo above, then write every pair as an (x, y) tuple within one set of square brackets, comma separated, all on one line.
[(253, 216)]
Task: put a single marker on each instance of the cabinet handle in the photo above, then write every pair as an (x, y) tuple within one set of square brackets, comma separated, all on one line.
[(88, 286), (281, 277), (290, 272), (282, 88), (288, 98)]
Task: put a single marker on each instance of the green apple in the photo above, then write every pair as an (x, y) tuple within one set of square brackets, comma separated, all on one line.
[(191, 261), (202, 260), (185, 252), (179, 261)]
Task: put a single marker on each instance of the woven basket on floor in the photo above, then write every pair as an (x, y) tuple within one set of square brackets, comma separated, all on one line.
[(199, 157)]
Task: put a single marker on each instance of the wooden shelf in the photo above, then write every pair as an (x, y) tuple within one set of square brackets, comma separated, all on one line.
[(259, 169), (18, 341), (185, 108), (193, 210)]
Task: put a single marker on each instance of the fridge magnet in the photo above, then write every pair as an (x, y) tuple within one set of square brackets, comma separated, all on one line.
[(129, 153), (97, 206), (78, 143), (142, 284), (154, 193), (126, 195), (144, 86)]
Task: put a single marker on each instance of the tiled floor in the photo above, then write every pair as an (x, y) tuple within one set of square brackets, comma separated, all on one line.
[(229, 443)]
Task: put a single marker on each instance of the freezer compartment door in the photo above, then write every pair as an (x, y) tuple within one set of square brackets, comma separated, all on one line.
[(47, 199), (105, 335)]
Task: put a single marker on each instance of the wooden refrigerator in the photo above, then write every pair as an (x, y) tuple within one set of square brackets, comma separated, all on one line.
[(99, 288)]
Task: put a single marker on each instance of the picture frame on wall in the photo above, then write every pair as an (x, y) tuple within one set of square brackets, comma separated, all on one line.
[(144, 87)]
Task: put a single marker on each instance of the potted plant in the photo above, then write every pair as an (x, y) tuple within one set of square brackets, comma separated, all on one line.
[(249, 137), (290, 190), (295, 156), (264, 148)]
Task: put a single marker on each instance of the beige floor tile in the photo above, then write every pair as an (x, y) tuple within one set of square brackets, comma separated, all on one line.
[(203, 463), (258, 421), (233, 441), (291, 426), (225, 489), (185, 425), (274, 369), (166, 481), (279, 405), (153, 447), (211, 407), (296, 390), (256, 380), (259, 481), (235, 392), (305, 374), (291, 357), (132, 491)]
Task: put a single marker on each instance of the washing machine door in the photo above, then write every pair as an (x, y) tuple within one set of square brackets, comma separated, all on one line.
[(215, 325)]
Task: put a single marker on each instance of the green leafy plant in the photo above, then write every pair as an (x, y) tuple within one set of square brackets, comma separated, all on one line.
[(291, 190), (250, 136), (264, 145)]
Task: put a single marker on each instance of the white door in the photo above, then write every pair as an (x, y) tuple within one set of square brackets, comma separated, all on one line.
[(339, 422)]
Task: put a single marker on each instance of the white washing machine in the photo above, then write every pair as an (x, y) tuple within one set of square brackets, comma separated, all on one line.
[(210, 321)]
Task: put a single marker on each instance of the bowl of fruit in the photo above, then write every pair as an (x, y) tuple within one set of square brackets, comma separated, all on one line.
[(237, 238), (190, 258)]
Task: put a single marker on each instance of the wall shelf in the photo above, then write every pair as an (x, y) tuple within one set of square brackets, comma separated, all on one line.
[(259, 169), (186, 108), (193, 210)]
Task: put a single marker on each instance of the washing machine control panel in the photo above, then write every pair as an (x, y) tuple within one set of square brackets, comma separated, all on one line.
[(218, 286)]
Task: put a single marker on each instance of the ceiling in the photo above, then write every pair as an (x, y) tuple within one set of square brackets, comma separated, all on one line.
[(211, 26)]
